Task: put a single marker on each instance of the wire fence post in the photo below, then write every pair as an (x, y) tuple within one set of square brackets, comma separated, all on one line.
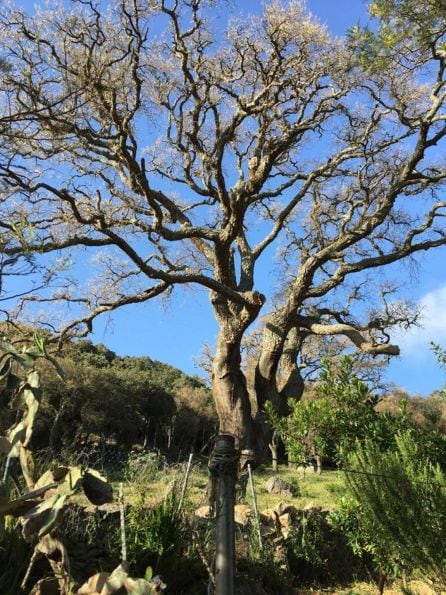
[(223, 468), (6, 471), (122, 521), (254, 505), (185, 481)]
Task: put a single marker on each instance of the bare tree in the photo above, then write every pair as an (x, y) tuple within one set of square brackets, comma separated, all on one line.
[(173, 152)]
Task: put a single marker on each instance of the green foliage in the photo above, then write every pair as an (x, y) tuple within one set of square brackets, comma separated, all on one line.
[(317, 550), (410, 28), (143, 467), (119, 582), (159, 536), (440, 354), (158, 405), (343, 410), (266, 566), (18, 371), (396, 508)]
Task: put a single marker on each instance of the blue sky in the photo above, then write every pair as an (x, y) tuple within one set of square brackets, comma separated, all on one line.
[(174, 331)]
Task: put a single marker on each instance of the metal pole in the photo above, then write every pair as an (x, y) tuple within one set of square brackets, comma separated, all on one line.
[(185, 480), (5, 474), (223, 467), (122, 522), (254, 505)]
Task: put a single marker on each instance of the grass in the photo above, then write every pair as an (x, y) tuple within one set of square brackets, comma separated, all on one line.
[(311, 490), (150, 486), (322, 490)]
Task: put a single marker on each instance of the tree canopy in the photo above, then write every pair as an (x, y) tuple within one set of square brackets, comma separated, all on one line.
[(170, 151)]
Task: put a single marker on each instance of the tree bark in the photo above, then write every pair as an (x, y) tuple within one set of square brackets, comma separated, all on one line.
[(229, 387), (277, 376), (230, 393)]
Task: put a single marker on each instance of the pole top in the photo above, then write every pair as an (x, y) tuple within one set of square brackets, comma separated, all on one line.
[(224, 443)]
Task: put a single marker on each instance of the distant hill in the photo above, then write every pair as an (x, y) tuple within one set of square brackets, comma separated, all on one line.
[(118, 400)]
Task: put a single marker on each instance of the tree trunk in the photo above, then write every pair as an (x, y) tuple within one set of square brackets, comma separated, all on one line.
[(229, 388), (171, 431), (318, 459), (231, 395), (382, 582), (274, 447), (277, 376), (290, 381)]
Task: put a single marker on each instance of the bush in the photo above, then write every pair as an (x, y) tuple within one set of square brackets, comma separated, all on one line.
[(396, 510), (318, 552), (160, 536)]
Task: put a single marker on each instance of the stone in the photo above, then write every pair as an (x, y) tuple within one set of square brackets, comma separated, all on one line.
[(268, 516), (242, 514), (284, 507), (204, 512), (311, 506), (276, 485), (304, 469)]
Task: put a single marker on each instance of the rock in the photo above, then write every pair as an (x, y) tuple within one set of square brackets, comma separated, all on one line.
[(276, 485), (285, 519), (304, 469), (267, 530), (311, 506), (242, 514), (268, 516), (284, 507), (204, 512)]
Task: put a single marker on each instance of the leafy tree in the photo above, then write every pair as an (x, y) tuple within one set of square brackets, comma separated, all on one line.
[(440, 354), (158, 155), (342, 410)]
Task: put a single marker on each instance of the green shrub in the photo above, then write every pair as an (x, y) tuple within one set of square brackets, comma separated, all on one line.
[(318, 552), (160, 536), (267, 567), (143, 465), (396, 510)]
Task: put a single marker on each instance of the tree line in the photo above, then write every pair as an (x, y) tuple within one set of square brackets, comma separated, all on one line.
[(106, 399)]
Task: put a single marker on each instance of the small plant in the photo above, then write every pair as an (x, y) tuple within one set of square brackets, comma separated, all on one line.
[(119, 582), (143, 465), (41, 508), (160, 536), (318, 552), (18, 372)]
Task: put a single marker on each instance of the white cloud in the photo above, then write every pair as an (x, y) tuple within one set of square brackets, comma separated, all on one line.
[(415, 342)]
